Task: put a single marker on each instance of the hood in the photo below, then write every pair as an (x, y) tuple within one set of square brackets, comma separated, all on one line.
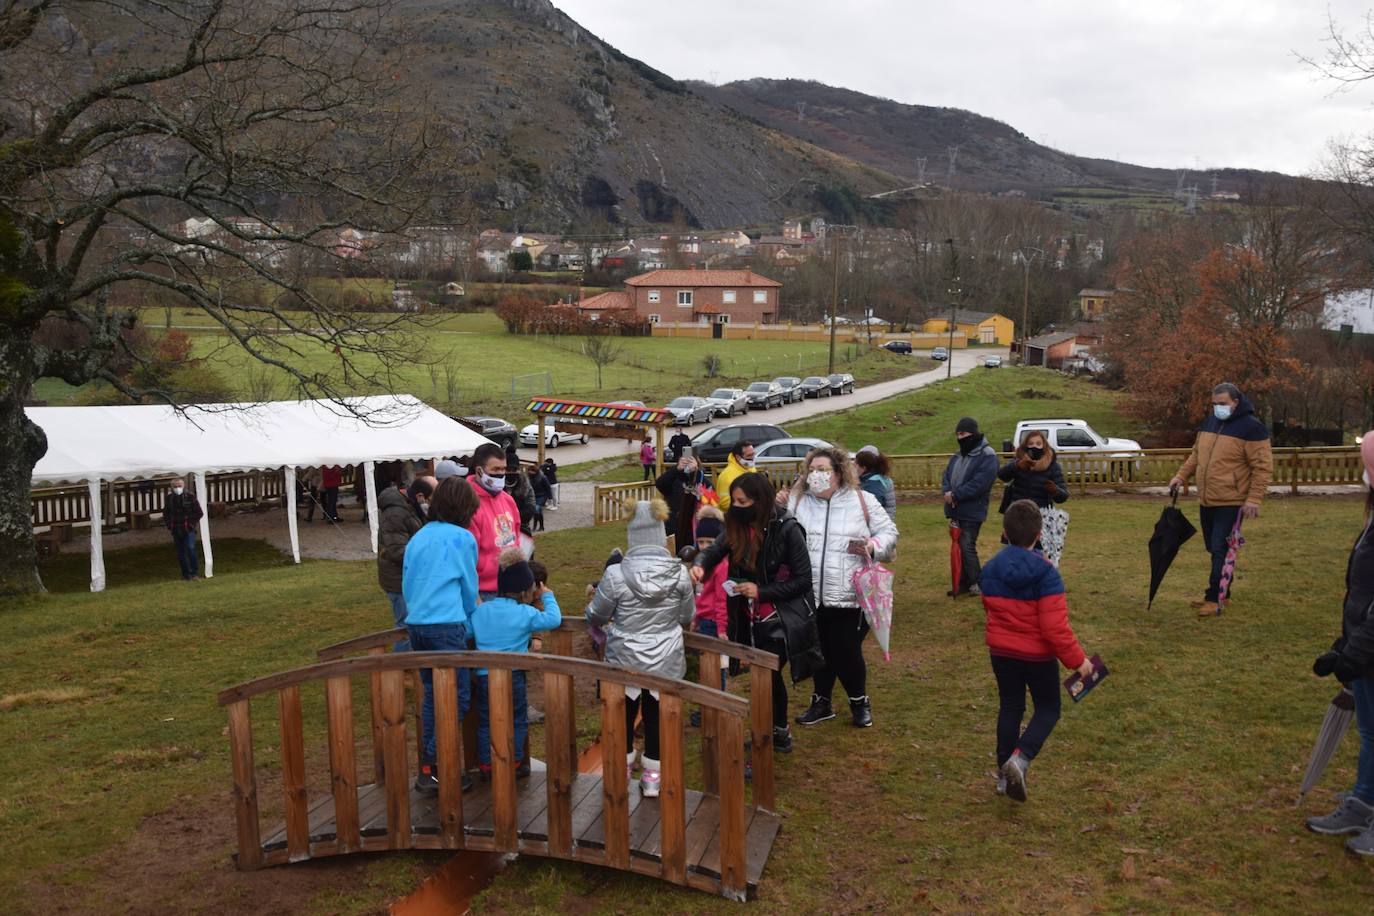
[(391, 498), (651, 573), (1243, 409), (1022, 568)]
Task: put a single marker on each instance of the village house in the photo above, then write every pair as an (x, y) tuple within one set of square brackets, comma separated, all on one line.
[(977, 327), (718, 296), (1093, 303), (1051, 350), (596, 307)]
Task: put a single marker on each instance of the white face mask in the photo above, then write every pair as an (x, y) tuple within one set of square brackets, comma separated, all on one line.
[(178, 490), (424, 508), (746, 462), (819, 481), (494, 484), (1221, 411)]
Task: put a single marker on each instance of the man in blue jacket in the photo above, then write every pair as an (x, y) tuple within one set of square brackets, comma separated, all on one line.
[(967, 485)]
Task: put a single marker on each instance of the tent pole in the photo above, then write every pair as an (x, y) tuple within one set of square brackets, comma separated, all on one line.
[(289, 483), (370, 492), (203, 493), (658, 452), (541, 440), (97, 542)]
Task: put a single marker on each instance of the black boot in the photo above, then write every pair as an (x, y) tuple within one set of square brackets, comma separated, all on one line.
[(862, 711), (818, 711), (782, 740)]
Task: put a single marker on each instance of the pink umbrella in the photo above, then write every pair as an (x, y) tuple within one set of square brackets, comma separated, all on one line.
[(873, 585), (1234, 542)]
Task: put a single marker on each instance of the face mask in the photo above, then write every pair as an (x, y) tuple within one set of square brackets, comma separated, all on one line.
[(1221, 411), (178, 490), (819, 481), (742, 514), (747, 462), (967, 443), (423, 507), (491, 484), (1035, 453)]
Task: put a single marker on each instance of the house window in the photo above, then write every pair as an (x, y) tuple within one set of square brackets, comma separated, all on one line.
[(760, 297), (684, 297), (654, 319), (728, 297), (653, 295), (722, 319)]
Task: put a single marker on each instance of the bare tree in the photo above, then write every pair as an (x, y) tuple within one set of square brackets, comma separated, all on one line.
[(602, 351), (221, 146)]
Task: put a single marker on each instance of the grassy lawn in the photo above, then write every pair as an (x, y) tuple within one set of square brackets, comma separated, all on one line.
[(922, 422), (1171, 788)]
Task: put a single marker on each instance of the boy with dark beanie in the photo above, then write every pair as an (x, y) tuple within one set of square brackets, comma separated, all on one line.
[(1027, 629), (505, 624)]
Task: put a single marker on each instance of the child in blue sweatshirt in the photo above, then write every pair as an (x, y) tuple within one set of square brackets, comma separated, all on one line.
[(505, 624)]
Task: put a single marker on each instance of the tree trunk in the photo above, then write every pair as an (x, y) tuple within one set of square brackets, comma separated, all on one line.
[(24, 444)]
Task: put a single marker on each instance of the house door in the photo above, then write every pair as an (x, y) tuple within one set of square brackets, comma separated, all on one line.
[(717, 331)]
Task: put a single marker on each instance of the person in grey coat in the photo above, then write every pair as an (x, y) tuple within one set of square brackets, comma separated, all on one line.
[(967, 484), (643, 603)]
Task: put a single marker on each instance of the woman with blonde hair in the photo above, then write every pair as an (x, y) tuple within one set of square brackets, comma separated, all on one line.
[(845, 528)]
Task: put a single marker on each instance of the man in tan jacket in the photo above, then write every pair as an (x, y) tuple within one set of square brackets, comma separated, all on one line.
[(1233, 464)]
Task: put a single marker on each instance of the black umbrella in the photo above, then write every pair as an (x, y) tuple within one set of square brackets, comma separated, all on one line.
[(1172, 531), (1334, 726)]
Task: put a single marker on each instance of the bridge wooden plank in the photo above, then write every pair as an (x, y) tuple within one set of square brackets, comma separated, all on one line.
[(372, 812), (538, 828), (294, 797), (651, 846), (448, 750), (500, 715), (615, 744), (343, 767), (709, 863), (763, 831), (672, 801), (560, 748), (481, 820), (595, 834), (701, 829), (245, 785), (397, 784), (321, 826), (589, 808)]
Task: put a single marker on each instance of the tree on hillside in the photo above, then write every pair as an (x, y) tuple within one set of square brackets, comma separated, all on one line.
[(602, 351), (203, 152)]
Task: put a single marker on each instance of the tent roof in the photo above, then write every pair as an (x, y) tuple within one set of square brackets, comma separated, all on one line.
[(114, 443)]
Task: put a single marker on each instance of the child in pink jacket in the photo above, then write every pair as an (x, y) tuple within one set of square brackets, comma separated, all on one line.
[(710, 615)]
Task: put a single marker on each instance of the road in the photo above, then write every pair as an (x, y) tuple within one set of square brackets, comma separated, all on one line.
[(596, 449)]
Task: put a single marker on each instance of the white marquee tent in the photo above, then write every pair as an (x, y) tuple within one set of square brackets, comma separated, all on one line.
[(95, 444)]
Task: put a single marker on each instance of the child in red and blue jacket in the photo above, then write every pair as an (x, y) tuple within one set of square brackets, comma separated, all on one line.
[(1027, 630)]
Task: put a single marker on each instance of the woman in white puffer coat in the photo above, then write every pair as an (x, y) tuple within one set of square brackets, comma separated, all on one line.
[(844, 526)]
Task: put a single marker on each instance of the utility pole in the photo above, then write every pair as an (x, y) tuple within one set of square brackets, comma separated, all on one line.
[(1025, 300), (954, 293), (834, 297)]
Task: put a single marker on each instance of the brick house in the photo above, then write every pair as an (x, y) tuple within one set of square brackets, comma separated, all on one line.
[(1050, 350), (705, 296)]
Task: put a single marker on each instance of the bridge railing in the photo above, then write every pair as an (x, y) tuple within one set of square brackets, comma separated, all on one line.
[(454, 827)]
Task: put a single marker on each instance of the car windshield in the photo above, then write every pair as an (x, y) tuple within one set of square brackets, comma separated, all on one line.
[(725, 394), (759, 386), (787, 381), (813, 380), (683, 402), (837, 378)]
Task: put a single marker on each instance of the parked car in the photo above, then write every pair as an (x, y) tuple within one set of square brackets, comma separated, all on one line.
[(627, 403), (992, 362), (726, 402), (898, 346), (787, 451), (500, 431), (939, 353), (791, 388), (841, 383), (689, 411), (712, 445), (553, 437), (1068, 437), (764, 394), (814, 386)]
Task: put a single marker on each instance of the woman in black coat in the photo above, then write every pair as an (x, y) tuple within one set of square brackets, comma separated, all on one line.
[(1351, 659), (681, 488), (1033, 473), (772, 606)]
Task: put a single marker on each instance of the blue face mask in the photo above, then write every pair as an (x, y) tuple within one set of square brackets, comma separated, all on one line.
[(1221, 411)]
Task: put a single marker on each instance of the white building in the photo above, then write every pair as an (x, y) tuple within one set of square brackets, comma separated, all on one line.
[(1354, 308)]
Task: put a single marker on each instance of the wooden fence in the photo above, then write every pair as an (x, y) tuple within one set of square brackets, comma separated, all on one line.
[(1294, 468)]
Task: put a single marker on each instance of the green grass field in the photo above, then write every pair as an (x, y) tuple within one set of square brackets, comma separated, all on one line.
[(1170, 789)]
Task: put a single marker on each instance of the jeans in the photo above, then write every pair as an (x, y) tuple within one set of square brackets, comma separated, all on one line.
[(1217, 522), (968, 549), (1014, 677), (185, 542), (708, 628), (842, 631), (398, 613), (1363, 688), (522, 717), (648, 472), (331, 503), (646, 703), (439, 637)]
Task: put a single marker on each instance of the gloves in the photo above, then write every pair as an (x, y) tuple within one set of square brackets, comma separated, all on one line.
[(1325, 665), (1342, 666), (1024, 464), (1051, 487)]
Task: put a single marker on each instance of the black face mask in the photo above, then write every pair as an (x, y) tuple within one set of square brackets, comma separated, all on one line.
[(743, 515), (1035, 453), (967, 443)]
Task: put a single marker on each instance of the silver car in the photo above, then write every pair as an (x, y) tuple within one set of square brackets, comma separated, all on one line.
[(726, 402), (689, 411), (786, 451)]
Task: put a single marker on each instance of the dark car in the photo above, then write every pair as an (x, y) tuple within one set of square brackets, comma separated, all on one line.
[(939, 353), (815, 386), (713, 445), (841, 383), (898, 346), (791, 388), (494, 428), (764, 394)]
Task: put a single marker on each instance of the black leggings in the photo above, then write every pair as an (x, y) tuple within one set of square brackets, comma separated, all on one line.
[(646, 702), (842, 631)]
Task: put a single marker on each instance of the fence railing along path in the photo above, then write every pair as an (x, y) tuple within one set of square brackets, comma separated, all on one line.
[(1295, 468), (713, 838)]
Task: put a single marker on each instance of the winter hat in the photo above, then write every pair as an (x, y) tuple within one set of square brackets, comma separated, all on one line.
[(710, 522), (1367, 453), (646, 527), (515, 575), (445, 469), (967, 425), (874, 448)]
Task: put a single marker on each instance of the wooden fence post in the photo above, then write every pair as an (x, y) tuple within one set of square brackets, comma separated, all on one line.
[(501, 719), (293, 774), (448, 752), (733, 855), (672, 800), (245, 785), (761, 716), (560, 740), (394, 755), (708, 674), (615, 811), (343, 768)]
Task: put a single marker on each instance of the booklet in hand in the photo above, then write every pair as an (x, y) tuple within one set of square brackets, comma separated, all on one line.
[(1079, 686)]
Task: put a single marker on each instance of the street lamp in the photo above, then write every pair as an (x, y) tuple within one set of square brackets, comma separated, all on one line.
[(836, 233), (955, 291), (1025, 299)]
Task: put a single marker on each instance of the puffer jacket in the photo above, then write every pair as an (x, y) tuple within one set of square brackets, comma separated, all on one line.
[(1027, 614), (1357, 617), (969, 477), (643, 603), (1029, 483), (396, 525), (830, 525), (784, 545), (1231, 459)]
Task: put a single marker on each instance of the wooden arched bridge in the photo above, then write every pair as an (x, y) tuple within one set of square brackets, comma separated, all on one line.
[(715, 838)]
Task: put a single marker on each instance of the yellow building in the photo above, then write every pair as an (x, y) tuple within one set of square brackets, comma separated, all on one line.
[(1093, 303), (983, 327)]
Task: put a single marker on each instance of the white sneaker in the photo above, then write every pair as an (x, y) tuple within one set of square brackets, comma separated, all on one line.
[(649, 783)]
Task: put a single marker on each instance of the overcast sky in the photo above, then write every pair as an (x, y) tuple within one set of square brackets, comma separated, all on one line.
[(1156, 82)]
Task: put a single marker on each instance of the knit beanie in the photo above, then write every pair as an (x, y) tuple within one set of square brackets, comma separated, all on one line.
[(515, 575), (646, 527), (710, 522), (967, 425), (1367, 453)]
